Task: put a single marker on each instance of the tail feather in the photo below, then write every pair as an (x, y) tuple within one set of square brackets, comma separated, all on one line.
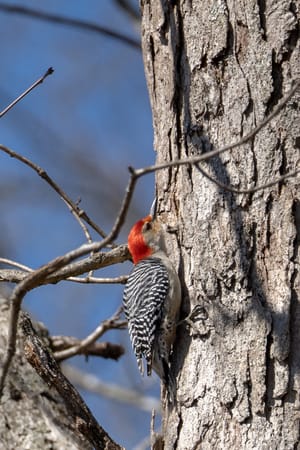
[(149, 367), (140, 363), (161, 366), (169, 382)]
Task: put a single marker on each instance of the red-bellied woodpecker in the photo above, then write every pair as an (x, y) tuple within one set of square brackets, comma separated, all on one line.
[(151, 301)]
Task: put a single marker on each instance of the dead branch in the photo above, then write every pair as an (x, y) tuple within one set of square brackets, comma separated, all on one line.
[(41, 360), (103, 349), (82, 346)]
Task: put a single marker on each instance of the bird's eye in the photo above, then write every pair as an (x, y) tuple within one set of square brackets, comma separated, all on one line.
[(147, 226)]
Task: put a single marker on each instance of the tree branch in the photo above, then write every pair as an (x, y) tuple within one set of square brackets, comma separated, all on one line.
[(78, 212), (94, 262), (102, 349), (75, 23), (228, 187), (122, 279), (129, 9), (82, 346), (31, 281), (34, 85), (14, 264), (43, 362), (196, 159)]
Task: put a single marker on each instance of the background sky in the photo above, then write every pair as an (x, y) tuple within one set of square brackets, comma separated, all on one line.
[(84, 125)]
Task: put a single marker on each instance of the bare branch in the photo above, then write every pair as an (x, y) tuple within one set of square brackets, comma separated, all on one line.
[(15, 276), (33, 86), (102, 349), (75, 23), (38, 169), (90, 280), (14, 264), (81, 223), (123, 209), (12, 276), (196, 159), (129, 9), (31, 281), (43, 362), (94, 262), (109, 324), (78, 212), (229, 188), (93, 384)]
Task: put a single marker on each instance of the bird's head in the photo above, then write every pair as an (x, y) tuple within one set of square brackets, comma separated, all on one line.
[(145, 238)]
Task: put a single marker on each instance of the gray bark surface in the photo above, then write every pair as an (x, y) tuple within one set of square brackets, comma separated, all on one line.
[(32, 415), (215, 70)]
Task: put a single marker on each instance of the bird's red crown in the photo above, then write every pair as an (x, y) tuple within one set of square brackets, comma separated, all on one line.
[(136, 243)]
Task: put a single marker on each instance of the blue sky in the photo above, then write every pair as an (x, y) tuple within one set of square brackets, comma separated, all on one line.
[(84, 125)]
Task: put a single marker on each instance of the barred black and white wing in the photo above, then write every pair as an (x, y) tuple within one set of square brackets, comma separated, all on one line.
[(144, 295)]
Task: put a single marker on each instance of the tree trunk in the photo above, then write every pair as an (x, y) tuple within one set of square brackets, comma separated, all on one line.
[(215, 70)]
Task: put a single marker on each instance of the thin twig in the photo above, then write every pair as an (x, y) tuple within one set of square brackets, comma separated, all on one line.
[(71, 205), (109, 324), (156, 440), (75, 23), (84, 228), (123, 209), (33, 86), (14, 276), (66, 200), (229, 188), (78, 212), (196, 159), (129, 9), (81, 223), (14, 264)]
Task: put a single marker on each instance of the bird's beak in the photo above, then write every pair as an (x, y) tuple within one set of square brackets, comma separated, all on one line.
[(153, 208)]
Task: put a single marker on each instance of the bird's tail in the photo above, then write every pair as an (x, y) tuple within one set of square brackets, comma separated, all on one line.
[(169, 382)]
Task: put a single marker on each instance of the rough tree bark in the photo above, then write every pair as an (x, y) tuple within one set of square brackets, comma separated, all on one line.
[(214, 70), (35, 414), (32, 416)]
